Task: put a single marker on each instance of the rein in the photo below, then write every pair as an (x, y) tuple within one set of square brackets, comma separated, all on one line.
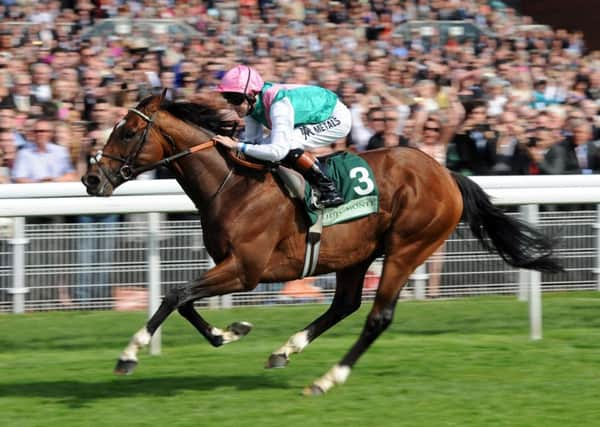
[(128, 171)]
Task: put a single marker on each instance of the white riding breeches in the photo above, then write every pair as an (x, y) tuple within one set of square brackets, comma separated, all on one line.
[(317, 135)]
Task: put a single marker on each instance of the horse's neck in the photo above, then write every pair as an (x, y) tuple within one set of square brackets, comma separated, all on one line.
[(201, 173)]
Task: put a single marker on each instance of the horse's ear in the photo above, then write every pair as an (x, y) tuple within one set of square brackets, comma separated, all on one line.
[(162, 96)]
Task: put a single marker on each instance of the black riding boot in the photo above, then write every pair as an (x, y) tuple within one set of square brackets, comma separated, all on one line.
[(310, 169), (329, 194)]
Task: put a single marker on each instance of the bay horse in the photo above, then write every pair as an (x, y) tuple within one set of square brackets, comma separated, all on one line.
[(255, 233)]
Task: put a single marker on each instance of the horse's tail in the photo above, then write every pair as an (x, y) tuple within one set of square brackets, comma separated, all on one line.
[(517, 242)]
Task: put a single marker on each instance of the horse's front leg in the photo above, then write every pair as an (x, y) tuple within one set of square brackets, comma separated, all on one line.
[(348, 294), (222, 279)]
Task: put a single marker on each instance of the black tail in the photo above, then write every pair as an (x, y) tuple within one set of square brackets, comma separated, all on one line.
[(517, 242)]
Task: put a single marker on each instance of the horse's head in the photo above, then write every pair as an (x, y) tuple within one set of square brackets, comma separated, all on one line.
[(134, 146), (148, 133)]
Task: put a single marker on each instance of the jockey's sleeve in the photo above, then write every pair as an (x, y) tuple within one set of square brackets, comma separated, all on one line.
[(282, 127), (253, 131)]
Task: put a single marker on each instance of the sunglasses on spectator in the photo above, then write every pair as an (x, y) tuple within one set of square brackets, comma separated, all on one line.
[(234, 98), (42, 131), (431, 128)]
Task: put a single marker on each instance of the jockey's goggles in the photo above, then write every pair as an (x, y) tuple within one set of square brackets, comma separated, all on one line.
[(234, 98)]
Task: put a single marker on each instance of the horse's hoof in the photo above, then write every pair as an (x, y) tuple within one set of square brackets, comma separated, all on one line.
[(276, 361), (313, 390), (125, 367), (240, 328)]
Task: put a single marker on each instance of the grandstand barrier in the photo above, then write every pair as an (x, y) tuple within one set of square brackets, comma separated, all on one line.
[(156, 197)]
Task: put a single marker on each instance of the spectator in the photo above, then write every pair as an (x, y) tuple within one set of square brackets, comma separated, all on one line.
[(8, 151), (540, 99), (376, 125), (21, 98), (511, 156), (556, 159), (41, 88), (8, 123), (587, 150), (94, 249), (388, 137), (43, 160), (474, 142), (434, 141), (579, 90), (497, 98)]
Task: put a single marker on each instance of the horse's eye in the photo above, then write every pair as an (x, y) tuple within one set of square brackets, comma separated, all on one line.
[(128, 133)]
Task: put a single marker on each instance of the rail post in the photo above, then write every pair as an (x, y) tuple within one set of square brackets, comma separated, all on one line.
[(597, 228), (531, 215), (419, 279), (154, 276), (19, 241)]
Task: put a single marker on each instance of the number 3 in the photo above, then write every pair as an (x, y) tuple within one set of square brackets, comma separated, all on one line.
[(363, 177)]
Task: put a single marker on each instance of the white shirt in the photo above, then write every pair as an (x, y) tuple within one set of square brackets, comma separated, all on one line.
[(277, 145), (42, 92)]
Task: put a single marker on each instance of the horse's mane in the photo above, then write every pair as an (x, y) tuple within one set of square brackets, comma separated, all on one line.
[(205, 115)]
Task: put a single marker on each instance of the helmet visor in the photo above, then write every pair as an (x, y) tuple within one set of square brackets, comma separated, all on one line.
[(234, 98)]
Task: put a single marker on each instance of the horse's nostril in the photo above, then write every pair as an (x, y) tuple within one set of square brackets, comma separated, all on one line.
[(91, 180)]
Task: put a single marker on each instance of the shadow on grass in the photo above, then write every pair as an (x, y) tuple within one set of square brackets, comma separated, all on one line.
[(76, 394)]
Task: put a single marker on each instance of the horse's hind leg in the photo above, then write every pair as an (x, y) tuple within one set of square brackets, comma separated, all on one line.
[(348, 293)]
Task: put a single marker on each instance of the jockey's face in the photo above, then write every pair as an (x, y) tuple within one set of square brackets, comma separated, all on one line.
[(238, 102), (242, 109)]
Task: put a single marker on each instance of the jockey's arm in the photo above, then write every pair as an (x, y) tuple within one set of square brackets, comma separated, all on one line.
[(253, 131), (279, 141)]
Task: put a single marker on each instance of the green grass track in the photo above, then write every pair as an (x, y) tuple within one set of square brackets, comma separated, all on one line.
[(465, 362)]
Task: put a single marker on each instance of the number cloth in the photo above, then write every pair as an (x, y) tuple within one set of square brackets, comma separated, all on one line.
[(355, 180)]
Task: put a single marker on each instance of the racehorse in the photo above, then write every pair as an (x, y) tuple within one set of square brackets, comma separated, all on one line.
[(255, 233)]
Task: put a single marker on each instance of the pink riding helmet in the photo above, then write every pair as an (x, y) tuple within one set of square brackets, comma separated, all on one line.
[(241, 79)]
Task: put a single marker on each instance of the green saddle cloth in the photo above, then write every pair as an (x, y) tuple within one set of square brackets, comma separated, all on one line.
[(356, 182)]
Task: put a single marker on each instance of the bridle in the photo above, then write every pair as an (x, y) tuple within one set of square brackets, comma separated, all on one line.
[(127, 171)]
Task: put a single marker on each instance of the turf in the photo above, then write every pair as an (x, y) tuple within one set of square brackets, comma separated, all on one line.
[(442, 363)]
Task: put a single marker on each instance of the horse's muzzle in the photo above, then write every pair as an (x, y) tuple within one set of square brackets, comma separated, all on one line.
[(94, 186)]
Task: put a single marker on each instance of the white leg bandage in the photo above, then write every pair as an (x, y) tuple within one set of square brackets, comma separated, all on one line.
[(336, 375), (295, 344), (139, 340), (228, 335)]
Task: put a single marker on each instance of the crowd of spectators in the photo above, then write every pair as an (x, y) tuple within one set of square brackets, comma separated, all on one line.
[(515, 102)]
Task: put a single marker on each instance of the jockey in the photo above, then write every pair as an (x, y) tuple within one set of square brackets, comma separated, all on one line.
[(300, 118)]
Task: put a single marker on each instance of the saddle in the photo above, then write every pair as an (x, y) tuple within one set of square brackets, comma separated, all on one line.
[(293, 182)]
